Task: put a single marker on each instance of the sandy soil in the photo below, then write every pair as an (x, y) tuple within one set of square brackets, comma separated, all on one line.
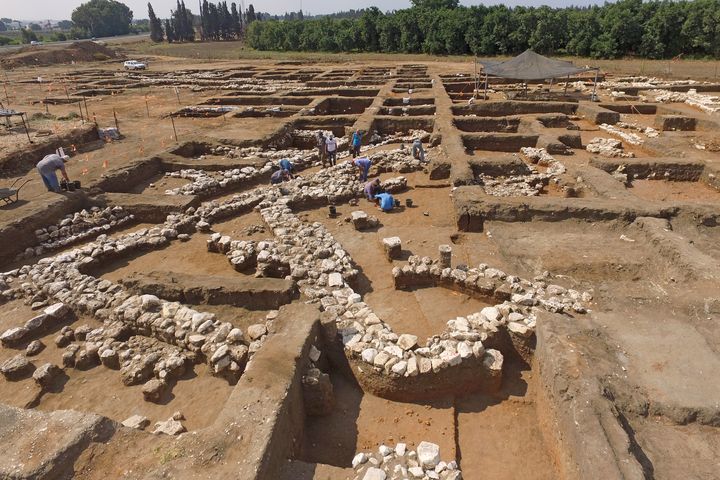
[(666, 191)]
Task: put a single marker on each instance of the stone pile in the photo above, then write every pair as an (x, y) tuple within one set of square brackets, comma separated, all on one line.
[(76, 227), (648, 131), (608, 147), (526, 185), (707, 103), (209, 183), (401, 463), (36, 326), (631, 138), (541, 157)]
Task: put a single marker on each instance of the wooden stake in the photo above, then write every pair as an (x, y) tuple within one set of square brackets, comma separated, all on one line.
[(147, 107), (177, 93), (172, 119), (22, 117), (81, 114), (117, 127), (87, 112)]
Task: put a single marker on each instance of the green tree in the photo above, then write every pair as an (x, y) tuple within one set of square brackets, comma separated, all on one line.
[(435, 4), (3, 27), (65, 24), (368, 26), (35, 27), (28, 35), (250, 15), (103, 18), (169, 31), (156, 31)]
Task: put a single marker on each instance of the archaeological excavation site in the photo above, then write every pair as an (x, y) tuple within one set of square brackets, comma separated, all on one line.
[(540, 301)]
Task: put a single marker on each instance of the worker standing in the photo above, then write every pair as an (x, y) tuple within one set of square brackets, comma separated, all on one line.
[(321, 146), (48, 166), (331, 149), (363, 164), (356, 142)]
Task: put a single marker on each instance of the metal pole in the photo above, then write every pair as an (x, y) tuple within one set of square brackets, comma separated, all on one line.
[(477, 80), (7, 98), (567, 80), (595, 85), (486, 86)]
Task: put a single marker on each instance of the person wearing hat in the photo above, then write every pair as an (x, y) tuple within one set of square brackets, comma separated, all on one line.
[(331, 149), (47, 168)]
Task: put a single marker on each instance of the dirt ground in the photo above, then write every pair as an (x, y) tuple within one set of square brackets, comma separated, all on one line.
[(648, 348)]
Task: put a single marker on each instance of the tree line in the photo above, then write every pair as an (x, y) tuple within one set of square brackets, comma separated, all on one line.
[(651, 29), (215, 22)]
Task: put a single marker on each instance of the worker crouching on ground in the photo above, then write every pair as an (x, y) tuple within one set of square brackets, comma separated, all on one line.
[(372, 188), (363, 164), (417, 150), (385, 201), (48, 166), (286, 164), (280, 176), (356, 142)]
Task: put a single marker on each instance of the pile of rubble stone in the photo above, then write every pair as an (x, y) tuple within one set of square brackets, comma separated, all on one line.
[(400, 462), (631, 138), (76, 227), (707, 103), (529, 184), (608, 147), (647, 131)]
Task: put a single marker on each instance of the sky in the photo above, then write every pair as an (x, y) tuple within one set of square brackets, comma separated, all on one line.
[(62, 9)]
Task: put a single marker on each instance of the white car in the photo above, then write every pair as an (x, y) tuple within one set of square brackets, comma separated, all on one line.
[(36, 43), (134, 65)]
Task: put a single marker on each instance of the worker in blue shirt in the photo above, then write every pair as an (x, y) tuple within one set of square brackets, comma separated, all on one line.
[(385, 201), (287, 165), (356, 142), (363, 164)]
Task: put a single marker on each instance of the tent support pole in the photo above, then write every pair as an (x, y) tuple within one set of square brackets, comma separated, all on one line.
[(476, 80), (595, 85), (486, 81)]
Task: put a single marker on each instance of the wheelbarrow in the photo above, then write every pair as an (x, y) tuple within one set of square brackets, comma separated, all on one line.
[(11, 195)]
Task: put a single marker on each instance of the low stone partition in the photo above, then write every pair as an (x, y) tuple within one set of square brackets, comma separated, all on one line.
[(598, 115), (472, 209), (674, 169), (682, 123), (17, 235), (393, 125), (243, 291), (504, 108), (498, 142), (147, 207)]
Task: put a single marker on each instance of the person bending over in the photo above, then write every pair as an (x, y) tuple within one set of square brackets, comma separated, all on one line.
[(279, 176), (48, 166), (363, 164), (385, 201)]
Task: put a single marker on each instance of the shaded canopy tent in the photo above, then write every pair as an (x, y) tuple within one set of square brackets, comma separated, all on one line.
[(532, 66)]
